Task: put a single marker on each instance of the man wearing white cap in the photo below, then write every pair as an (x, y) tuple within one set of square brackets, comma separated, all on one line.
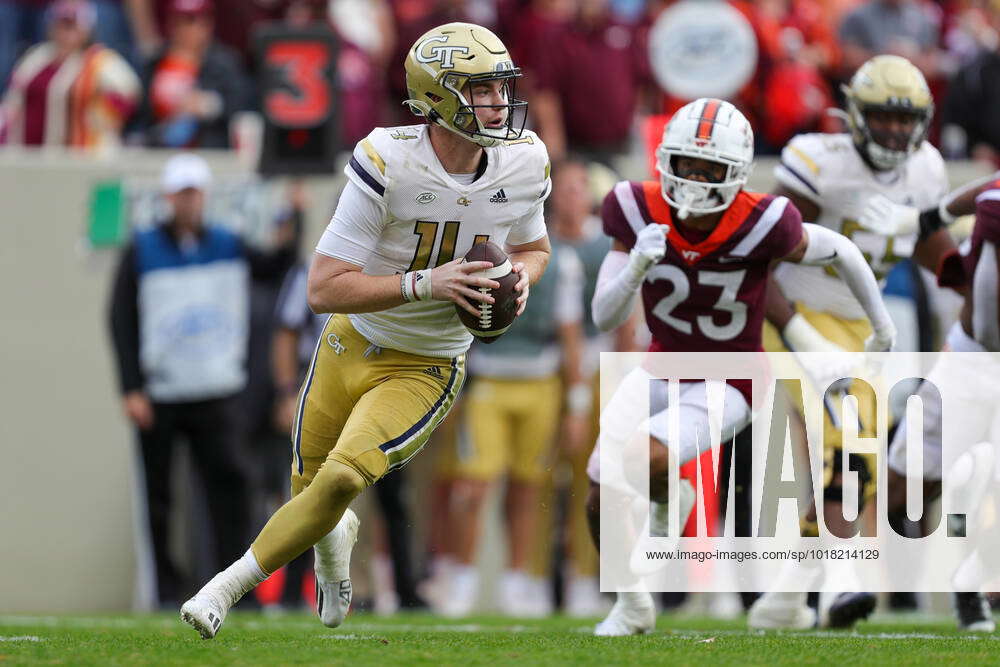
[(179, 323)]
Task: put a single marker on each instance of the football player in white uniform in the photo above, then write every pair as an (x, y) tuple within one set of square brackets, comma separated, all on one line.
[(970, 382), (389, 364), (879, 185)]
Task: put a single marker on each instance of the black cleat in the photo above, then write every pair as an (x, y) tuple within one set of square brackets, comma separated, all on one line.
[(849, 608), (973, 611)]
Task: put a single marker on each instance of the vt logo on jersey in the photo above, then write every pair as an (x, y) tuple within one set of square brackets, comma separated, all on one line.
[(443, 54), (691, 255), (499, 198)]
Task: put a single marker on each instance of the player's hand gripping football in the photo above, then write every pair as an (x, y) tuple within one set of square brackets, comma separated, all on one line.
[(454, 282), (887, 218), (650, 246), (522, 287)]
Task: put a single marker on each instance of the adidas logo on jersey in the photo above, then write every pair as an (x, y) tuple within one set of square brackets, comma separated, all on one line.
[(499, 198), (434, 372)]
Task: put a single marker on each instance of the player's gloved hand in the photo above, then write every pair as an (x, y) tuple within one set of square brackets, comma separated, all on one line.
[(455, 282), (881, 341), (650, 246), (885, 217), (824, 369), (523, 286)]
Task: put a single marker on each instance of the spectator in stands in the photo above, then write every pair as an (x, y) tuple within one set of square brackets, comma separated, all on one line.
[(412, 18), (971, 30), (588, 84), (367, 35), (970, 126), (799, 49), (193, 84), (23, 23), (179, 320), (68, 91), (901, 27), (524, 24)]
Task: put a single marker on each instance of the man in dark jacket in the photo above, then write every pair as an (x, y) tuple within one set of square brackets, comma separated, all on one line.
[(179, 324)]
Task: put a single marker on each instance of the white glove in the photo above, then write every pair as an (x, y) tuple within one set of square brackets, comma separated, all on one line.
[(881, 341), (650, 246), (885, 217)]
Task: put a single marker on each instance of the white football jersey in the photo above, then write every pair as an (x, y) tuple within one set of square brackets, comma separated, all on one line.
[(426, 218), (828, 170)]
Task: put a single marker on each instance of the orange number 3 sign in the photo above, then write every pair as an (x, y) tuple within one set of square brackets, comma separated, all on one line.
[(304, 99)]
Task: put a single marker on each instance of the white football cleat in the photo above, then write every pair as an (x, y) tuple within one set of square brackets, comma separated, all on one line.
[(205, 613), (332, 565), (781, 611), (207, 610), (632, 614)]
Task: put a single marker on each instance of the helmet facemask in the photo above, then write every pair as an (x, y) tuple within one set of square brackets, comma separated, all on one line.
[(464, 121), (887, 150), (693, 197)]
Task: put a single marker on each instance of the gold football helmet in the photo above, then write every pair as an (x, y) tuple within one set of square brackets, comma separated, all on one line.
[(893, 86), (440, 68)]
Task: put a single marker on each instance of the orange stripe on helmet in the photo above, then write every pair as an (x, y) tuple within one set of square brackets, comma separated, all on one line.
[(707, 122)]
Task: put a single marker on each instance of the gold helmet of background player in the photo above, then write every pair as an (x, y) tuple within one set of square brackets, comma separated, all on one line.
[(888, 85), (440, 68)]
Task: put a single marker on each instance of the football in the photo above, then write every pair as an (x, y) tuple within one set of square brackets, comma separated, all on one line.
[(494, 318)]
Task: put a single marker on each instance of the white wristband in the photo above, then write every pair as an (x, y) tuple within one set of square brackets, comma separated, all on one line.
[(416, 285)]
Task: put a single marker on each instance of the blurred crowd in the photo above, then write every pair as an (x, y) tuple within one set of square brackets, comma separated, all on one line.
[(173, 73)]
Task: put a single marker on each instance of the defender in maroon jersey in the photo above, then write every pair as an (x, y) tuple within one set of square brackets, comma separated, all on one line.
[(699, 249)]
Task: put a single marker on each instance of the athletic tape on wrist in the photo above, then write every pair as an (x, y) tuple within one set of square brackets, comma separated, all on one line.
[(416, 285)]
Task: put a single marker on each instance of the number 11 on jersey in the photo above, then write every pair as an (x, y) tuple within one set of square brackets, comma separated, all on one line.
[(427, 233)]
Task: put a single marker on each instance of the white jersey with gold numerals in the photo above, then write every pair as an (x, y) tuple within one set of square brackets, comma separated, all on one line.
[(403, 212), (828, 170)]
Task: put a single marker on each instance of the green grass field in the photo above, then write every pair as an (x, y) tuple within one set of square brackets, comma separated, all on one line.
[(415, 639)]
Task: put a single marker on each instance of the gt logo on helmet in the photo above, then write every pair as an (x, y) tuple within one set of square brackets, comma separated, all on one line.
[(442, 54)]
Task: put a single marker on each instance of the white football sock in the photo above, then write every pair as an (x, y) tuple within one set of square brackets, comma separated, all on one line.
[(236, 580)]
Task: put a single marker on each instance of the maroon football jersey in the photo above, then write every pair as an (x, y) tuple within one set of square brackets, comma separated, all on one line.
[(710, 295), (982, 269)]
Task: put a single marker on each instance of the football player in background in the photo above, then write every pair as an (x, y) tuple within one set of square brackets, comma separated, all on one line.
[(700, 249), (389, 364), (973, 384), (879, 186), (572, 220), (511, 422)]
